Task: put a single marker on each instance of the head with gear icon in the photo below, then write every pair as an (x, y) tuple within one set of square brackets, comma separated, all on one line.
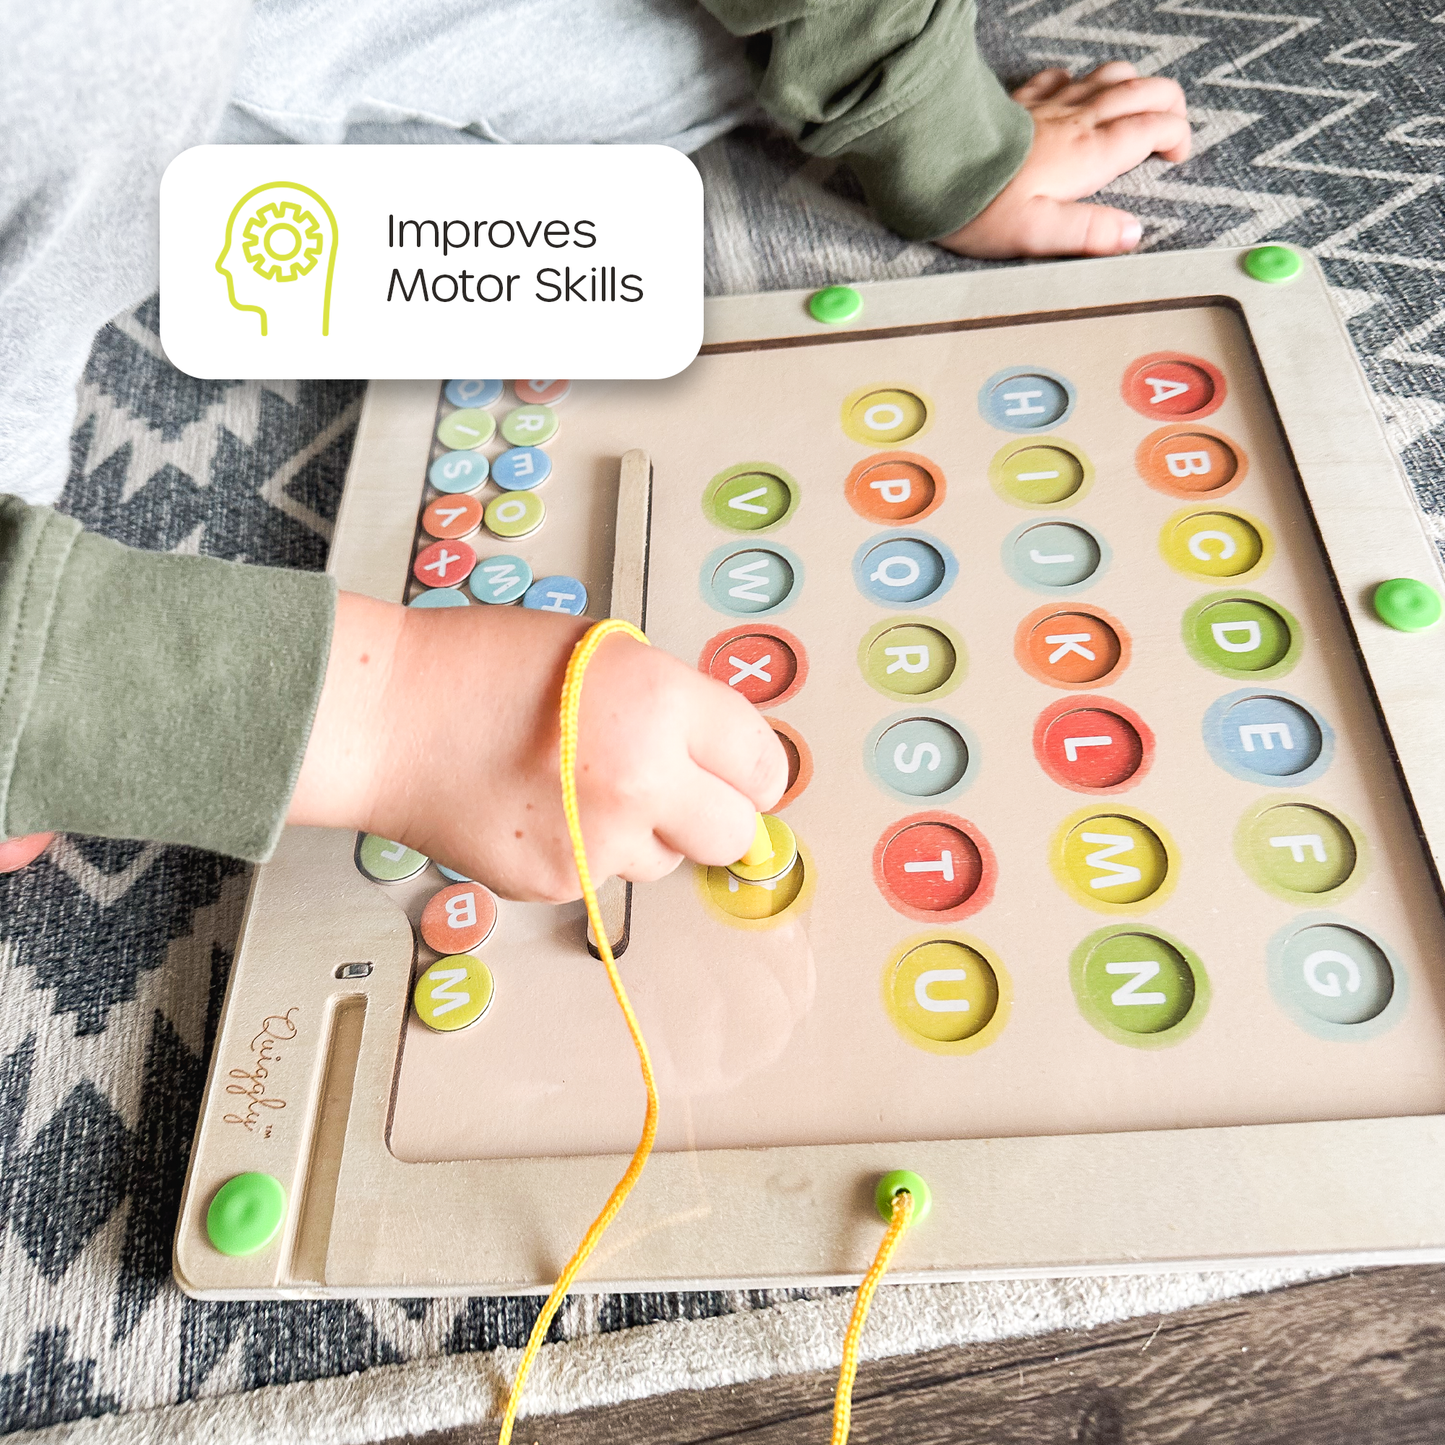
[(279, 255)]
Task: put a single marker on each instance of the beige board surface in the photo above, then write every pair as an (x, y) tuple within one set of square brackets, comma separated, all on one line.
[(776, 1034), (309, 1075)]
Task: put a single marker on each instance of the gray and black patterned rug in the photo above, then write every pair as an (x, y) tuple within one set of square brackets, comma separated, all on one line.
[(1318, 128)]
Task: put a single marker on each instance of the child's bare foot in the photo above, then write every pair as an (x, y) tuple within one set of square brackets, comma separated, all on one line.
[(15, 853), (1086, 133)]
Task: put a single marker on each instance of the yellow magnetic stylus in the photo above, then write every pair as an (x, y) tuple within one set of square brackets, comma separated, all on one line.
[(761, 848)]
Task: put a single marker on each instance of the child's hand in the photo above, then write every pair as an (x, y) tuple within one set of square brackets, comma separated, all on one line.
[(1086, 133), (438, 728), (15, 853)]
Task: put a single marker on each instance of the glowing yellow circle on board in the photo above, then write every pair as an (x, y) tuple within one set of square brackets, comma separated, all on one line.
[(1112, 859), (1212, 544), (884, 416), (1297, 848), (754, 901), (946, 993)]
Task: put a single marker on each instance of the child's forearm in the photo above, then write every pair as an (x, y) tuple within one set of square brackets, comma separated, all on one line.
[(184, 700), (341, 774), (147, 695), (897, 90)]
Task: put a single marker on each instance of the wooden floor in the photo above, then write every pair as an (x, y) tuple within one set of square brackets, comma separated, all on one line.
[(1350, 1361)]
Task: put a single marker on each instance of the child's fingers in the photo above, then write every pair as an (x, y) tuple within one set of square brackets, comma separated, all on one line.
[(1112, 72), (729, 738), (1075, 228), (1134, 138), (1137, 97), (633, 854), (707, 820), (15, 853), (652, 860), (1042, 86)]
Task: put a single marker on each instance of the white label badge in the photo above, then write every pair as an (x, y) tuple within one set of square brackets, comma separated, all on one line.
[(424, 261)]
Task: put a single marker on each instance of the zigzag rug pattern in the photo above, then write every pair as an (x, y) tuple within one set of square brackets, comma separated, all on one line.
[(1318, 124)]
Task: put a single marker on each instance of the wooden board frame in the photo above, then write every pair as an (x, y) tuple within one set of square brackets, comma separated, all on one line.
[(361, 1222)]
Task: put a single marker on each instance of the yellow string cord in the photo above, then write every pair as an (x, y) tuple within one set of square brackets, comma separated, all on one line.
[(843, 1396), (902, 1201), (571, 704)]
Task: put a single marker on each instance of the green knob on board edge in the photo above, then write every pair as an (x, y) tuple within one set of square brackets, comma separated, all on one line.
[(834, 305), (1407, 605), (246, 1213), (895, 1182), (1273, 263)]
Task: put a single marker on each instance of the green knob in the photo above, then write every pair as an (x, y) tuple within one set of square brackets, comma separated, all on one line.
[(895, 1182), (834, 305), (1273, 263), (1406, 604), (246, 1213)]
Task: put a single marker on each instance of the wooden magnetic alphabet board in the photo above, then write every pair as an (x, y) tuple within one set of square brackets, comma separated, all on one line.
[(1116, 914)]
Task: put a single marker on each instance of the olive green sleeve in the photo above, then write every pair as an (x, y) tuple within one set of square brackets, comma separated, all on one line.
[(145, 695), (898, 90)]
